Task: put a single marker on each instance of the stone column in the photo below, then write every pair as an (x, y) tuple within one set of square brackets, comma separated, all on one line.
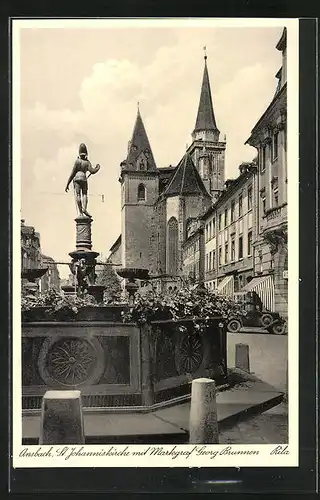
[(83, 235), (203, 427), (242, 357), (61, 418)]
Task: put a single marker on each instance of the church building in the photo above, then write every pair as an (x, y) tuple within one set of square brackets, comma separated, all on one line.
[(159, 206)]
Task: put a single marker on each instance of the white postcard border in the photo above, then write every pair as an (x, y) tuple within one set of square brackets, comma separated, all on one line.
[(169, 455)]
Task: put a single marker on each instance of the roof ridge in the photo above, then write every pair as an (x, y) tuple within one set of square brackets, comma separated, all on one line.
[(183, 173)]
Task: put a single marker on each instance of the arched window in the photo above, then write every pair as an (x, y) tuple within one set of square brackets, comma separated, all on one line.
[(141, 192), (172, 246)]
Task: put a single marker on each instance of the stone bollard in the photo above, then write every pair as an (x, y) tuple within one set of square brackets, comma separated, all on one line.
[(203, 426), (242, 357), (61, 418)]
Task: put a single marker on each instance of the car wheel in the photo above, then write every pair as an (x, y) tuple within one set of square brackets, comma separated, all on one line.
[(278, 328), (266, 320), (234, 326)]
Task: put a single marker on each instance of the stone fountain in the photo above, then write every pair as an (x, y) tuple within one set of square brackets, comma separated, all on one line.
[(132, 274), (116, 362), (32, 275)]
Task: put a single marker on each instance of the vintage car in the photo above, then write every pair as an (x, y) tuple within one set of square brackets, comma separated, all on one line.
[(255, 315)]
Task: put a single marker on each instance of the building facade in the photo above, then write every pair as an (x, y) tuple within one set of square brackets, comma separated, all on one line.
[(229, 234), (51, 280), (269, 137), (32, 258), (193, 251), (30, 247)]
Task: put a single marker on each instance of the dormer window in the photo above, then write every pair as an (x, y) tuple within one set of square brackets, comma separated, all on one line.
[(141, 192)]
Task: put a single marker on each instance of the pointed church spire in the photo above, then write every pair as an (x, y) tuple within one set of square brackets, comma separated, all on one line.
[(139, 156), (205, 118)]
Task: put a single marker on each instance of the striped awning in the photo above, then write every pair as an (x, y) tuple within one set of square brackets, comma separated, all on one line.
[(264, 287), (226, 286)]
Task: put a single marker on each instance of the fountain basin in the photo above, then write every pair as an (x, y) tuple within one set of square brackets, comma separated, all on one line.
[(121, 365), (33, 273), (133, 273)]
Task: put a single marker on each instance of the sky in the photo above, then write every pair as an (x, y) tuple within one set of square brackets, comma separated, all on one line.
[(83, 84)]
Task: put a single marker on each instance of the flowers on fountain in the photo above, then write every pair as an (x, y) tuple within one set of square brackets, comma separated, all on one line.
[(53, 301), (198, 305)]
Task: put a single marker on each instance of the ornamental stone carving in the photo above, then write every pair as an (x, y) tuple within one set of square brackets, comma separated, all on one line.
[(276, 239), (71, 361), (188, 353)]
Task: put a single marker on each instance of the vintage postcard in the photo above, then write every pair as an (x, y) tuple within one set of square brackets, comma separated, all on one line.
[(155, 242)]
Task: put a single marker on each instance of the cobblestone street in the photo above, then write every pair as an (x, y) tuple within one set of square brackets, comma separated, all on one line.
[(270, 427)]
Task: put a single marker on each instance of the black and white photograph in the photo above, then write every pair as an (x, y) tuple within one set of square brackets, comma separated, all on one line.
[(155, 227)]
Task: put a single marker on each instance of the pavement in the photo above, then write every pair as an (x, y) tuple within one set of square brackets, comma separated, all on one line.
[(268, 355), (236, 408), (270, 427)]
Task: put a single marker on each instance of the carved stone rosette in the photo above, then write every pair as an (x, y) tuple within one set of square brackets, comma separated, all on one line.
[(188, 353), (71, 362)]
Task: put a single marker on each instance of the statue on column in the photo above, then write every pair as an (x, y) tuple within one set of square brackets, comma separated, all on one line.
[(80, 180)]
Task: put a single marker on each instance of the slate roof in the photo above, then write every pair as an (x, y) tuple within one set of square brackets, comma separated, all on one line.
[(165, 177), (205, 118), (139, 149), (186, 180)]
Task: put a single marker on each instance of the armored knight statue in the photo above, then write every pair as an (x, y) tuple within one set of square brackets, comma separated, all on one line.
[(80, 180)]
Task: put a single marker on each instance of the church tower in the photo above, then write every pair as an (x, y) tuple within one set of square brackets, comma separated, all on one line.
[(207, 150), (139, 180)]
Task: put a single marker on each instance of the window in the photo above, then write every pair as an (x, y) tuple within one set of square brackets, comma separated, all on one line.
[(275, 146), (250, 243), (226, 217), (210, 230), (249, 197), (240, 205), (141, 192), (172, 246), (263, 158), (210, 261), (207, 262), (260, 261), (240, 278), (233, 250), (219, 222), (240, 247), (263, 203), (275, 197), (220, 256), (207, 232), (213, 259), (213, 227), (232, 210), (226, 251)]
